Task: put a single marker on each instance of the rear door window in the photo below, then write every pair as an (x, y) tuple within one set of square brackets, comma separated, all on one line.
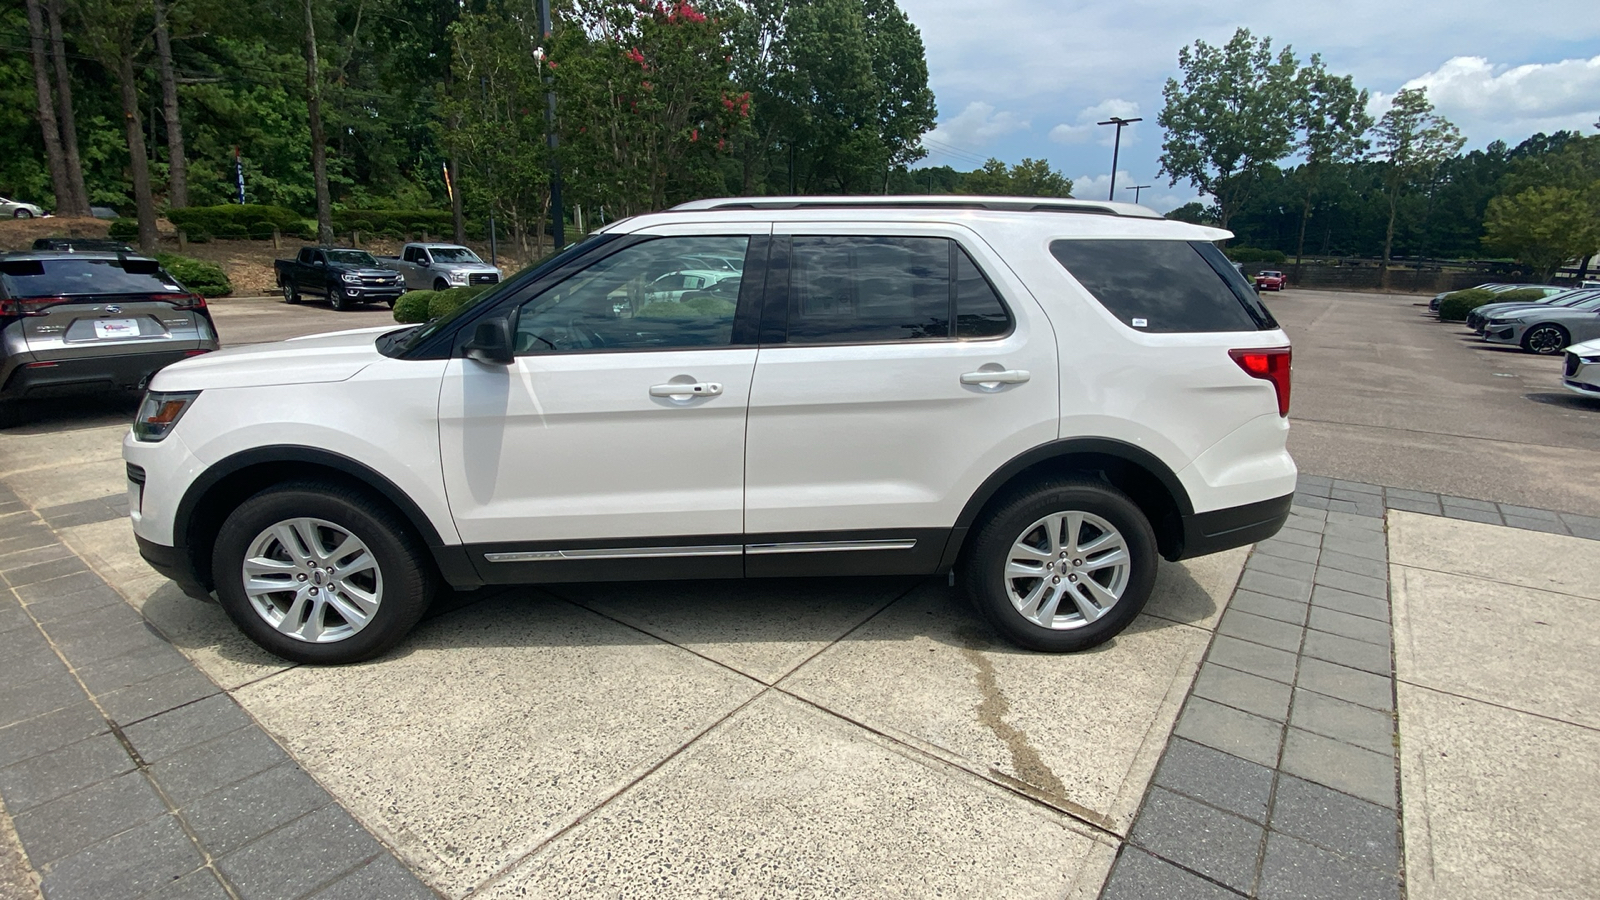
[(68, 277), (866, 289), (1164, 287)]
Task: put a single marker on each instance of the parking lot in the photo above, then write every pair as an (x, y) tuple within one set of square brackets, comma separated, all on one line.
[(859, 737)]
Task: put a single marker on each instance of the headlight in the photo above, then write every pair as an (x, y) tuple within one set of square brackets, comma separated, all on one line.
[(159, 414), (351, 278), (457, 277)]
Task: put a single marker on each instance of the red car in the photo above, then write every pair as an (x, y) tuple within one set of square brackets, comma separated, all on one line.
[(1271, 281)]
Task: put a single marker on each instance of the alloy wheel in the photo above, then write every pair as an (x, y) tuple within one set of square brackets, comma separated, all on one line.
[(1546, 339), (312, 580), (1066, 570)]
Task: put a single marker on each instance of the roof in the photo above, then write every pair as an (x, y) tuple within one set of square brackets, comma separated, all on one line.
[(938, 201), (71, 254)]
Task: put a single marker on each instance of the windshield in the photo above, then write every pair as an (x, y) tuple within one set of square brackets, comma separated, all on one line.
[(453, 254), (352, 257), (66, 277)]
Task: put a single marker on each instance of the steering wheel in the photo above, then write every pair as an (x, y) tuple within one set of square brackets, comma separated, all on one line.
[(585, 336)]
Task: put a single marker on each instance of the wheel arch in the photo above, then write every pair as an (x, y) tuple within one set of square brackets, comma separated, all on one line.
[(234, 479), (1149, 482)]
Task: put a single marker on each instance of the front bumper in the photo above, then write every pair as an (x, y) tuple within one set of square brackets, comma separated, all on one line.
[(86, 374), (1224, 529), (174, 563), (1504, 334), (373, 292)]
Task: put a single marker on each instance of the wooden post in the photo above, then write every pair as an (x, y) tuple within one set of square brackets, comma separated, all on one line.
[(183, 240), (355, 238), (277, 238)]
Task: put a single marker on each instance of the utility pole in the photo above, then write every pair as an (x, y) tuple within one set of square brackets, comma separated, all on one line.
[(1116, 149), (557, 216), (1136, 189)]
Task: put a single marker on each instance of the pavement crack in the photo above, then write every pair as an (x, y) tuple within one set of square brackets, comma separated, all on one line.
[(1026, 762)]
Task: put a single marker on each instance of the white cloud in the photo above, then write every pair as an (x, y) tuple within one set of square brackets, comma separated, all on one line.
[(1510, 102), (1086, 127), (1158, 196), (974, 128)]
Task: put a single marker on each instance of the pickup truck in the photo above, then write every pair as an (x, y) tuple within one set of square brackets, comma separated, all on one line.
[(435, 267), (345, 277)]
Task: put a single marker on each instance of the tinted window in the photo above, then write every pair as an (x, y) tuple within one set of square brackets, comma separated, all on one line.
[(352, 257), (66, 277), (1163, 286), (454, 255), (979, 312), (634, 299), (868, 289)]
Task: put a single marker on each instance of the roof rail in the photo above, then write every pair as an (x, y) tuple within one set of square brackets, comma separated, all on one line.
[(946, 201)]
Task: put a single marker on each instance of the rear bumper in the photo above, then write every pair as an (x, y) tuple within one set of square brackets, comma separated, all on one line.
[(1224, 529), (28, 377), (174, 563)]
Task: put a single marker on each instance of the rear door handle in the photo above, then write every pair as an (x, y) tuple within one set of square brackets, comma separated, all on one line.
[(999, 376), (684, 391)]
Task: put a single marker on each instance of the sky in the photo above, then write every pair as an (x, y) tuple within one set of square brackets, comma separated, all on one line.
[(1030, 78)]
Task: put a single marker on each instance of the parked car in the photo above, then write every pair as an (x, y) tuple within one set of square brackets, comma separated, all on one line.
[(1271, 280), (346, 277), (437, 267), (1495, 288), (1544, 330), (1581, 374), (72, 244), (1477, 318), (18, 209), (91, 321), (1042, 396)]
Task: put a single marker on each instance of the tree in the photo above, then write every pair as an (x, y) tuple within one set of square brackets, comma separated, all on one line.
[(1333, 122), (46, 104), (177, 163), (319, 141), (115, 32), (77, 201), (1233, 115), (1544, 227), (1029, 178), (1412, 143), (1195, 213)]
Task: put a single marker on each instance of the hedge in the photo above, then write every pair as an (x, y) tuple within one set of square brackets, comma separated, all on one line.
[(1520, 295), (204, 278), (420, 306), (124, 229), (235, 220), (1454, 307), (1254, 255), (393, 222)]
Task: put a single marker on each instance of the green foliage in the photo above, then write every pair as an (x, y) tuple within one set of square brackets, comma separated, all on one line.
[(1029, 178), (1454, 307), (412, 307), (124, 229), (204, 278), (393, 221), (442, 303), (1545, 227), (1254, 255), (1234, 114), (234, 220), (702, 307), (1521, 295)]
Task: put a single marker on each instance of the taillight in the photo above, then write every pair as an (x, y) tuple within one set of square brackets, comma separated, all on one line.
[(1270, 365), (28, 306), (182, 301)]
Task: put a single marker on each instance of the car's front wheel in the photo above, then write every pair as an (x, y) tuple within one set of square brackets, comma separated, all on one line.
[(319, 573), (340, 300), (1545, 339), (439, 284), (1063, 566)]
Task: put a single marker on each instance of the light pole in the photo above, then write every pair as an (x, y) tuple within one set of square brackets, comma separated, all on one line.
[(1136, 189), (558, 225), (1116, 148)]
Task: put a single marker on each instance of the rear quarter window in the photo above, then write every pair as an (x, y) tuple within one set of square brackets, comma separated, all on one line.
[(1164, 287)]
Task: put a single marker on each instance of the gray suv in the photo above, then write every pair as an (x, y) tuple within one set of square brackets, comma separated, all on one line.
[(83, 322)]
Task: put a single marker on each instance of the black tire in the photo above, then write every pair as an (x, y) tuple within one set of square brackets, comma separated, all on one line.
[(340, 302), (22, 214), (290, 295), (985, 562), (439, 284), (408, 582), (1545, 339)]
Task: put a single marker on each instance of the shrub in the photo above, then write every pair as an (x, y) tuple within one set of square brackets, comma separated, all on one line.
[(124, 229), (1454, 307), (412, 307), (1254, 255), (241, 220), (412, 221), (442, 303), (204, 278), (1521, 295)]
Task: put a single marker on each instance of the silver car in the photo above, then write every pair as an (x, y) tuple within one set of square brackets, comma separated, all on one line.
[(1581, 374), (1480, 316), (440, 266), (1544, 330), (17, 209)]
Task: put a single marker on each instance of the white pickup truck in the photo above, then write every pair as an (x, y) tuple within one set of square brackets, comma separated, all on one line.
[(436, 267)]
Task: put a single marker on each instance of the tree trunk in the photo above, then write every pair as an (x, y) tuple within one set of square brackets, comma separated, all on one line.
[(457, 213), (1388, 242), (177, 163), (47, 108), (79, 199), (319, 152), (127, 80)]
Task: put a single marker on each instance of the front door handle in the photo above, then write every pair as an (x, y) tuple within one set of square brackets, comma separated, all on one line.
[(996, 376), (687, 390)]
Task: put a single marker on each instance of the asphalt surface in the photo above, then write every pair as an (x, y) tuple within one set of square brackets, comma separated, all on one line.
[(1385, 393)]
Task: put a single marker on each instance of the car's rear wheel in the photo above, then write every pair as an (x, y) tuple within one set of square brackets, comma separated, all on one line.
[(290, 295), (1545, 339), (1062, 566), (22, 214), (318, 573)]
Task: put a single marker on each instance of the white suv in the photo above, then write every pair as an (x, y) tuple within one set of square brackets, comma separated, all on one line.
[(1040, 395)]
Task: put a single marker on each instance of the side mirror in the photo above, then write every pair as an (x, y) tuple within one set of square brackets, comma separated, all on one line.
[(491, 342)]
